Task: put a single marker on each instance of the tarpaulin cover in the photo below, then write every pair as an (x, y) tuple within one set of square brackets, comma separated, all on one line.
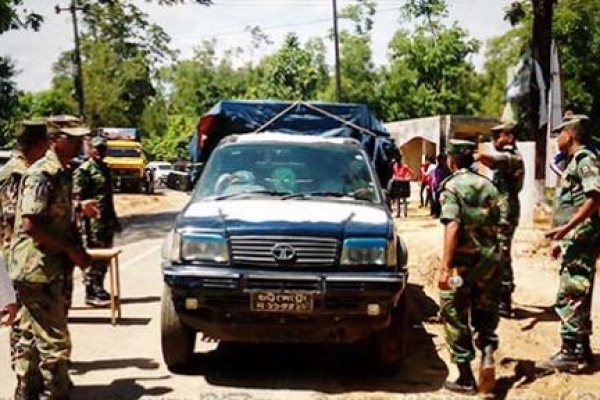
[(246, 116)]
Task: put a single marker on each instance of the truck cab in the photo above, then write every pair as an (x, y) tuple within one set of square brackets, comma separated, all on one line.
[(125, 157)]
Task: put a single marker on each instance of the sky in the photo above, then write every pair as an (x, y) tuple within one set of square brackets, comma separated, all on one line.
[(189, 24)]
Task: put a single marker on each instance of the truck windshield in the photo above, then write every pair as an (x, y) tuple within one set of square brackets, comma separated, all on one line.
[(288, 171), (123, 152)]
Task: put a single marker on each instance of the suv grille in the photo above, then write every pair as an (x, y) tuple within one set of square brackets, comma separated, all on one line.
[(309, 251)]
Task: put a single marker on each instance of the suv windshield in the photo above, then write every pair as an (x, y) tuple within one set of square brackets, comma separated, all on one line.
[(289, 171)]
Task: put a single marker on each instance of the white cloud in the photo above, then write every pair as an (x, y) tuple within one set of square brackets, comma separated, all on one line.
[(188, 25)]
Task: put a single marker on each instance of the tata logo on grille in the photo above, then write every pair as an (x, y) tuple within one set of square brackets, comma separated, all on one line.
[(283, 252)]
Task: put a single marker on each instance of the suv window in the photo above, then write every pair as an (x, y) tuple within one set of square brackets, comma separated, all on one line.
[(288, 169)]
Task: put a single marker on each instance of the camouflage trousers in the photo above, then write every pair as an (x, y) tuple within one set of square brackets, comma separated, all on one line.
[(508, 277), (471, 308), (97, 271), (574, 298), (46, 344)]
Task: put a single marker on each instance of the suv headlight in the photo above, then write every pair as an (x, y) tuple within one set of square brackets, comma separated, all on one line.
[(188, 246), (367, 251)]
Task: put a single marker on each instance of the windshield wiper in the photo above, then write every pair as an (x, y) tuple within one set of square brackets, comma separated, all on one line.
[(250, 193), (316, 194)]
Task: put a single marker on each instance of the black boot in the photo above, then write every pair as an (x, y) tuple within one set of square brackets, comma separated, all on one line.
[(569, 358), (95, 295), (586, 350), (487, 371), (465, 384), (505, 305), (24, 391)]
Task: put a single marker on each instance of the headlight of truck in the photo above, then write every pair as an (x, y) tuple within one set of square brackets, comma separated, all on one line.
[(367, 251), (204, 247)]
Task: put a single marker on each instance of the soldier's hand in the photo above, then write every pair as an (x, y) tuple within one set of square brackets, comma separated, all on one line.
[(80, 258), (443, 279), (9, 314), (90, 208), (554, 250), (557, 233)]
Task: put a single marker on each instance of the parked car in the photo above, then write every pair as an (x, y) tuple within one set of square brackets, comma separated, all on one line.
[(286, 238), (161, 170)]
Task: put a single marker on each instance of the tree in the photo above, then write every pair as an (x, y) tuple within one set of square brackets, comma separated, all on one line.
[(430, 71), (290, 74), (9, 103), (358, 72)]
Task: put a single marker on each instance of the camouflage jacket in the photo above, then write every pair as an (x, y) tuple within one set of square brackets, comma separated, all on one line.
[(508, 178), (10, 181), (473, 201), (581, 177), (45, 195), (93, 180)]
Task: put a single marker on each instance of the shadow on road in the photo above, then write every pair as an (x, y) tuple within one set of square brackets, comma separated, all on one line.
[(106, 320), (120, 389), (140, 300), (329, 369), (82, 367), (145, 226)]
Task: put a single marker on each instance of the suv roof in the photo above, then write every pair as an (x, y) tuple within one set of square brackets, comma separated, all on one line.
[(287, 138)]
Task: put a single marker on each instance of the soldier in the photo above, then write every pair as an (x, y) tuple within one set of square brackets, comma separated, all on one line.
[(576, 237), (472, 256), (31, 144), (509, 171), (45, 244), (93, 180)]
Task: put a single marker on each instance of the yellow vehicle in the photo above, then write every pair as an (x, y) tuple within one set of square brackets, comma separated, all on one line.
[(125, 158)]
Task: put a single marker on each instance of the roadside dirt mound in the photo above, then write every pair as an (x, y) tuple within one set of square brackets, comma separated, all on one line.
[(133, 204)]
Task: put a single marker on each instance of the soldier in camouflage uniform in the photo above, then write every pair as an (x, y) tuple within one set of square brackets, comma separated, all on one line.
[(93, 180), (31, 144), (576, 237), (472, 217), (509, 171), (45, 244)]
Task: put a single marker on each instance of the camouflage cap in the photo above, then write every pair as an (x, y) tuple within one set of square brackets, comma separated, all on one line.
[(79, 131), (30, 128), (504, 127), (98, 141), (571, 120), (460, 147), (56, 121)]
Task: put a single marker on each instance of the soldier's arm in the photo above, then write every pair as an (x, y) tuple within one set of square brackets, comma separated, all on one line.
[(589, 173), (498, 160), (35, 200)]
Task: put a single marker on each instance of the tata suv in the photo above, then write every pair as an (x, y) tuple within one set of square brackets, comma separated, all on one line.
[(286, 239)]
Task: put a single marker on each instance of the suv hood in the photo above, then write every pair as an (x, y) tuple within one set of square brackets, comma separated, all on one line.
[(288, 217)]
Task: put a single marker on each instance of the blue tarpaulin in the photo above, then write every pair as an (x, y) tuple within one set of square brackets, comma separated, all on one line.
[(298, 118)]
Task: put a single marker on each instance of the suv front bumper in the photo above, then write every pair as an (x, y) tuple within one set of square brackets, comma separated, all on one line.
[(346, 306)]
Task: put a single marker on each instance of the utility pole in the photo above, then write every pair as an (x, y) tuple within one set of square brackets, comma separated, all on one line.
[(541, 49), (78, 76), (336, 41)]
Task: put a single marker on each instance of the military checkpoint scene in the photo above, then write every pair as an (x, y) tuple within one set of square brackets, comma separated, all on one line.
[(299, 199)]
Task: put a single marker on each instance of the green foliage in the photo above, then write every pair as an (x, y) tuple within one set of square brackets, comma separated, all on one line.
[(8, 101), (14, 15), (290, 74), (171, 144), (430, 72)]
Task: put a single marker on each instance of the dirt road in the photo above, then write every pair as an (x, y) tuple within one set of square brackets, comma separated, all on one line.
[(125, 362)]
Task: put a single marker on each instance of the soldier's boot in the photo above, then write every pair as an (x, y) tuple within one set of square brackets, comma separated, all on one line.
[(24, 391), (465, 384), (487, 371), (94, 296), (586, 350), (505, 305), (569, 358)]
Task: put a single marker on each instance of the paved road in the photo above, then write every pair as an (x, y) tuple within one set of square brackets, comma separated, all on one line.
[(125, 362)]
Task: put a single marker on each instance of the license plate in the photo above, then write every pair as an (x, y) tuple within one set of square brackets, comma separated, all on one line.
[(283, 302)]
